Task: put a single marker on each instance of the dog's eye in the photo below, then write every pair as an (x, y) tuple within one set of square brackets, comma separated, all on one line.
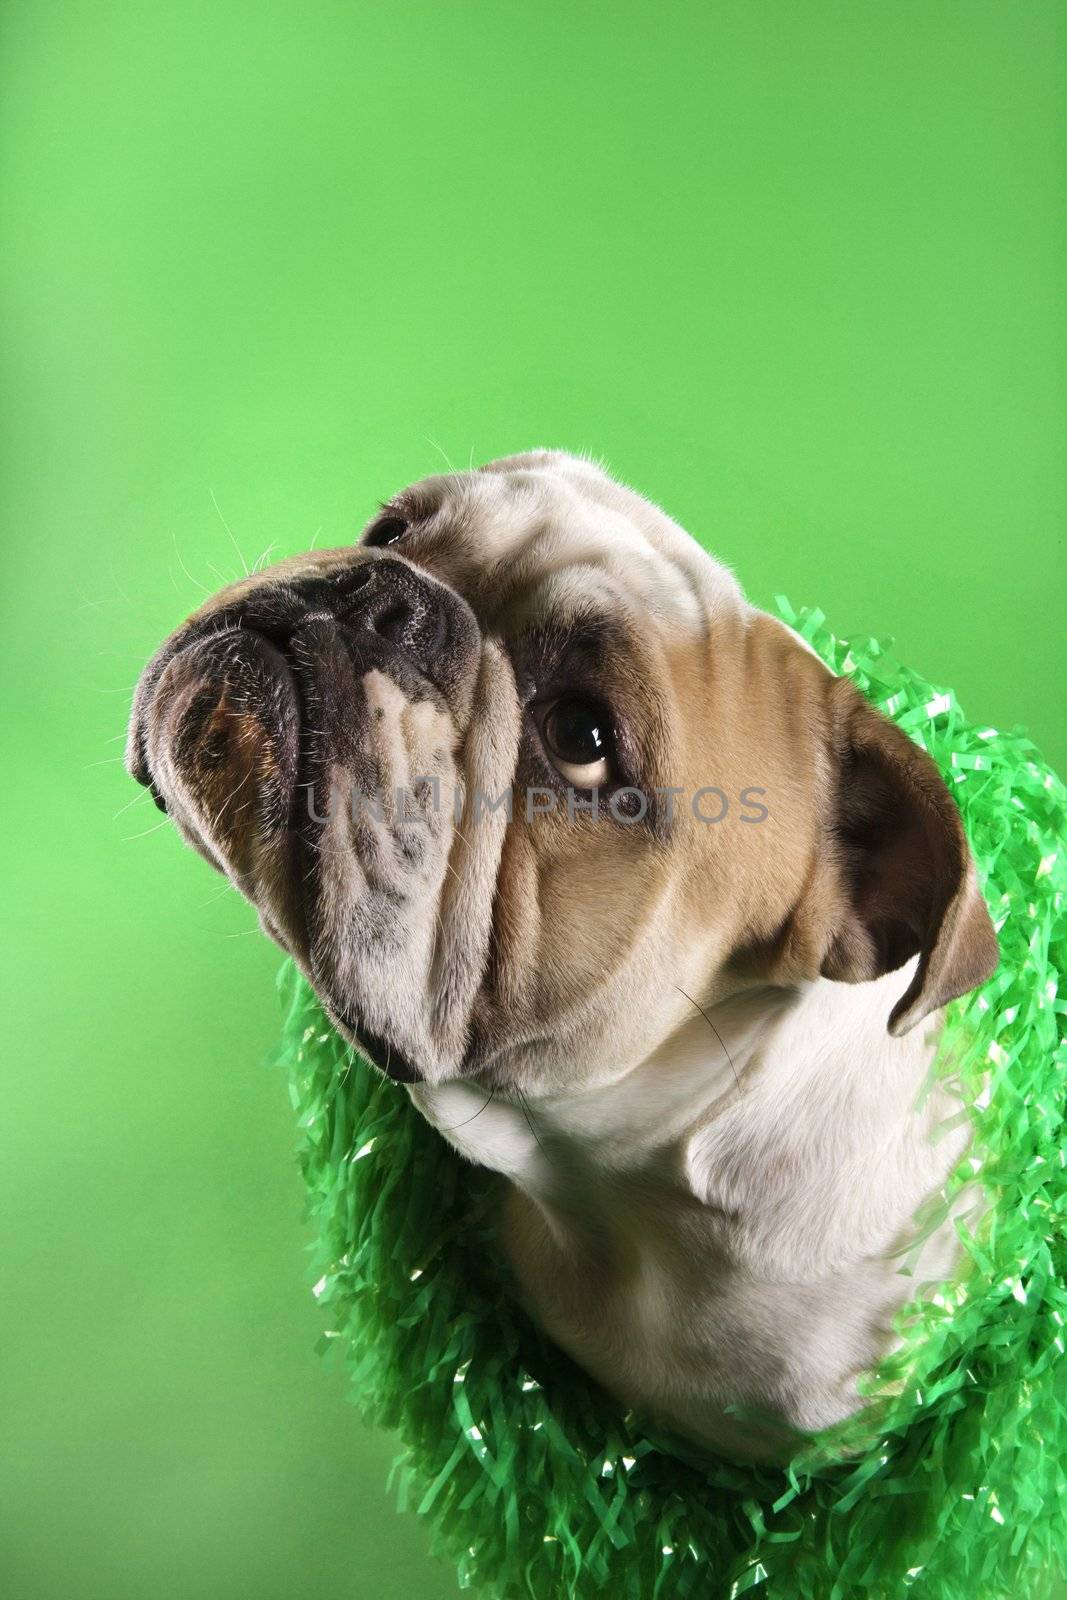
[(387, 529), (577, 735)]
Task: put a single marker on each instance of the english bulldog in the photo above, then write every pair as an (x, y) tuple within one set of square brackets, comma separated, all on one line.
[(649, 911)]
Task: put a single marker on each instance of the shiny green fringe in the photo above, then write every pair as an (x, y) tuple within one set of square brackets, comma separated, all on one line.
[(951, 1486)]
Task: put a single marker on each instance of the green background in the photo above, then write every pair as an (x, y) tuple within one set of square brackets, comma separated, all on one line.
[(794, 270)]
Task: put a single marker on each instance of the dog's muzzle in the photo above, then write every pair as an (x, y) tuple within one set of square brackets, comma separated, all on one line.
[(249, 714), (287, 654)]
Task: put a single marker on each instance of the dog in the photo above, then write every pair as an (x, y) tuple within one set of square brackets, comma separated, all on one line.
[(650, 912)]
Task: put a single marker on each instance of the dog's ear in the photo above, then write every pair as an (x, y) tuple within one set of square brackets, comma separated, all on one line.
[(906, 878)]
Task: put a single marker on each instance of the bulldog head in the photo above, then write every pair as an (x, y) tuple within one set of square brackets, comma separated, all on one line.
[(520, 777)]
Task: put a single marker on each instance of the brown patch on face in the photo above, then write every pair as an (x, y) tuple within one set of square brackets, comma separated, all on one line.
[(861, 861), (749, 703), (516, 936), (233, 766), (834, 835), (224, 747), (572, 899)]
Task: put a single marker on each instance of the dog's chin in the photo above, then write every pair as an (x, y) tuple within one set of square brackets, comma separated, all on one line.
[(381, 1053)]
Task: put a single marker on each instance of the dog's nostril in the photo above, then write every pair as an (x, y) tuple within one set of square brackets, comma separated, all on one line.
[(353, 579), (394, 622)]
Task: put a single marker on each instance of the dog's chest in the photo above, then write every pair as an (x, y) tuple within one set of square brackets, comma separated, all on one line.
[(663, 1311), (747, 1259)]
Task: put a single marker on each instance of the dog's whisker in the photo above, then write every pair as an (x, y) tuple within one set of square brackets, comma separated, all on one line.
[(115, 580), (138, 800), (262, 560), (458, 831), (526, 1114), (181, 562), (144, 835), (229, 530), (229, 799), (225, 888), (467, 1122), (440, 452), (715, 1031), (450, 868)]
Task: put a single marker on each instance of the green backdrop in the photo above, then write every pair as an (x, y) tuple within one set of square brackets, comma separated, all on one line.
[(796, 271)]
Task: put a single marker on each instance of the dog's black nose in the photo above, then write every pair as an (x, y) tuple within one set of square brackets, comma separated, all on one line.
[(409, 610), (395, 602)]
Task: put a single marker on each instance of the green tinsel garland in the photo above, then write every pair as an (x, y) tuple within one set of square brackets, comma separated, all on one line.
[(953, 1486)]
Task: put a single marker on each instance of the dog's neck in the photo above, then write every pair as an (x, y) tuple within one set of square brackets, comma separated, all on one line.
[(792, 1114)]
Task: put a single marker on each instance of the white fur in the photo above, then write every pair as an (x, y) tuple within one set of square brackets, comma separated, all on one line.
[(696, 1238)]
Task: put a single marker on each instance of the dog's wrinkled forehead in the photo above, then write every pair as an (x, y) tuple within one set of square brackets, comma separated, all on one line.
[(553, 531)]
